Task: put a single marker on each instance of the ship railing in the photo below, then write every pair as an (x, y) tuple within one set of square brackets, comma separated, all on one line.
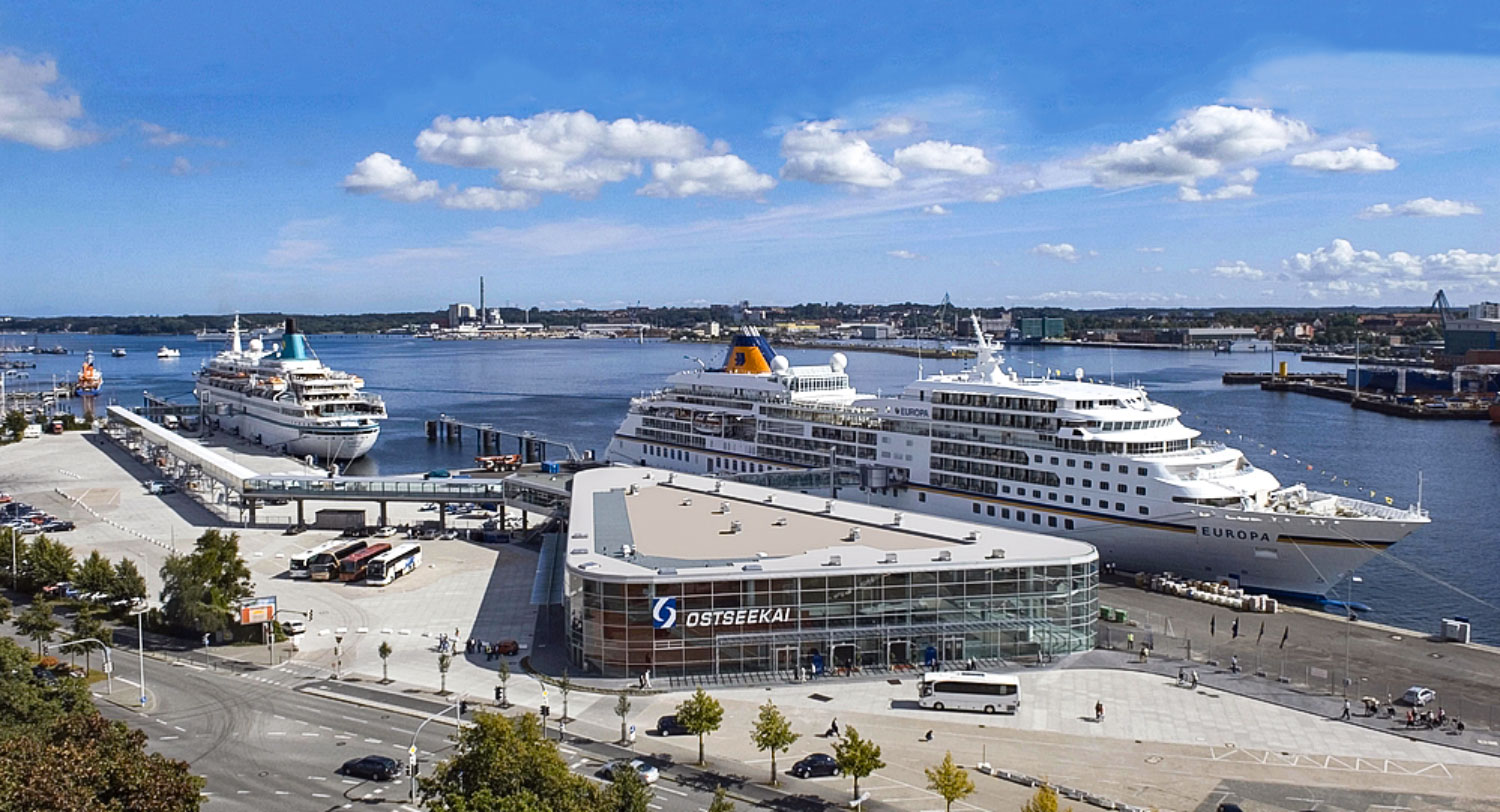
[(1360, 506)]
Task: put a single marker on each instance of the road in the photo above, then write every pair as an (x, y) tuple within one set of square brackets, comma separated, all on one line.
[(263, 738)]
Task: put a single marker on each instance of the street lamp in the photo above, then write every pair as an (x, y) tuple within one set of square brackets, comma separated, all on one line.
[(1349, 628), (109, 665), (411, 752), (140, 638)]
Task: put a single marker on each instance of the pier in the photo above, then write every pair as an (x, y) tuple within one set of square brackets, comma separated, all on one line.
[(489, 440), (1243, 378), (1397, 405)]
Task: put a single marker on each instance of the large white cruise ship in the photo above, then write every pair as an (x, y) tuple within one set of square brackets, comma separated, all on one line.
[(286, 399), (1099, 463)]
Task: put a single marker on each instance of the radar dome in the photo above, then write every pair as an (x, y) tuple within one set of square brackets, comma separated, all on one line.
[(780, 365), (838, 361), (256, 345)]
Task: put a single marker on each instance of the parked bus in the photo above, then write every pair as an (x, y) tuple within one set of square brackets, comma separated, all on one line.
[(353, 568), (325, 565), (394, 564), (301, 566), (969, 690)]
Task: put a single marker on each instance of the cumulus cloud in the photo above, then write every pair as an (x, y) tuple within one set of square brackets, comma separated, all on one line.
[(181, 166), (1063, 251), (1196, 146), (901, 253), (1238, 269), (717, 175), (1339, 267), (380, 174), (1349, 159), (823, 152), (32, 111), (159, 136), (1421, 207), (1151, 249), (1242, 184), (942, 156), (935, 209)]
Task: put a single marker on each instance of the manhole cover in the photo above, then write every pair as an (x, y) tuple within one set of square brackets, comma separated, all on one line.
[(1153, 759), (894, 681), (820, 697)]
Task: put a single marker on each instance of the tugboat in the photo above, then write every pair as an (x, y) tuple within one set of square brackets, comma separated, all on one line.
[(89, 378), (117, 352)]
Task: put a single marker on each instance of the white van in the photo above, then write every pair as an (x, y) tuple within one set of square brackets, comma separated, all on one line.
[(170, 421), (31, 432)]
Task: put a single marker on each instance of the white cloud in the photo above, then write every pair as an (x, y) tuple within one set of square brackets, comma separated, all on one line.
[(1341, 268), (902, 253), (380, 174), (1242, 184), (935, 209), (571, 152), (1151, 249), (1104, 297), (1349, 159), (942, 156), (718, 175), (297, 252), (181, 166), (1063, 251), (30, 113), (159, 136), (1238, 269), (487, 199), (1196, 146), (822, 152), (1421, 207), (892, 127)]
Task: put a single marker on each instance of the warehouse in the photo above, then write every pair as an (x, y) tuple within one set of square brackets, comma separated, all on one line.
[(679, 575)]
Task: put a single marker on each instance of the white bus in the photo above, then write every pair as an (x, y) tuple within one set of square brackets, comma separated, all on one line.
[(969, 690), (301, 566), (393, 564)]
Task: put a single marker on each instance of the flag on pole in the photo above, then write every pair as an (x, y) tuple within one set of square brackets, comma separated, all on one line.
[(1284, 636), (1213, 624), (1234, 629), (1262, 632)]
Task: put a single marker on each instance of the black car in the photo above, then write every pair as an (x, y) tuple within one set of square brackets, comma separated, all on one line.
[(669, 726), (375, 768), (816, 765), (58, 526)]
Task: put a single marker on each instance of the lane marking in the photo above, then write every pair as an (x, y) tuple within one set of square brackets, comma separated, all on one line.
[(312, 734), (317, 778), (277, 733), (374, 741), (179, 729), (168, 738), (673, 791)]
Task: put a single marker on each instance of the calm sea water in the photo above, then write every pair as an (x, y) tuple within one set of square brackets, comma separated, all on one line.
[(577, 391)]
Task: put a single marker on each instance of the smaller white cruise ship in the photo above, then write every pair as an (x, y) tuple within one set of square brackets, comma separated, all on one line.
[(284, 398)]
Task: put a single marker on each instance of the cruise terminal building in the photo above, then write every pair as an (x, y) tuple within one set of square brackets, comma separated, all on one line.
[(684, 575)]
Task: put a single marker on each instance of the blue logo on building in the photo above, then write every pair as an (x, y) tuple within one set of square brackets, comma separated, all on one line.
[(664, 613)]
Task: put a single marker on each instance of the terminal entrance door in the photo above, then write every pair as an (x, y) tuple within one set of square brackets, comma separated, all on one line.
[(786, 658), (897, 653), (844, 655), (952, 649)]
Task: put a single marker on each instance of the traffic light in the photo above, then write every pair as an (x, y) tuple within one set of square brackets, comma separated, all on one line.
[(498, 691), (309, 615), (545, 711), (463, 707)]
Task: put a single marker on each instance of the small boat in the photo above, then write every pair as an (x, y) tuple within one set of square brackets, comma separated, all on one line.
[(168, 352), (117, 352)]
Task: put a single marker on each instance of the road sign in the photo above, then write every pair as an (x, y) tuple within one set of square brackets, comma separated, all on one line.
[(632, 730), (109, 667), (412, 751), (257, 610)]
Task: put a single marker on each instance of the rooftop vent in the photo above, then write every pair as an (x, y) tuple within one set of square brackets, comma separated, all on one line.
[(626, 550), (853, 534), (834, 561), (666, 570), (780, 522), (580, 534), (896, 519), (996, 553), (944, 555), (723, 507), (735, 527), (890, 558), (828, 506), (752, 568), (718, 486), (687, 501), (770, 498), (579, 551), (759, 556), (973, 535), (671, 478), (633, 489), (588, 565)]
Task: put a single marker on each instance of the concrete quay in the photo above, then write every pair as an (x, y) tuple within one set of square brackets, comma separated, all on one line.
[(1239, 737)]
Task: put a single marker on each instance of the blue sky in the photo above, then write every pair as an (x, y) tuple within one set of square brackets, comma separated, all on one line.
[(345, 157)]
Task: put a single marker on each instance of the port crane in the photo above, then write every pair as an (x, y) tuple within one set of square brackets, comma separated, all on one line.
[(1440, 304)]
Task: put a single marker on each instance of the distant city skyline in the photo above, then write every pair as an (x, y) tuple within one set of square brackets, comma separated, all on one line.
[(345, 158)]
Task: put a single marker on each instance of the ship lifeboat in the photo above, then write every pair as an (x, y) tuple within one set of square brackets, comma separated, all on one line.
[(708, 423)]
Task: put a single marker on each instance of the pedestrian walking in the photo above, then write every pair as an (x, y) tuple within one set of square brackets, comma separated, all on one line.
[(1234, 663), (1234, 629), (1181, 677), (1195, 679), (1345, 715), (1099, 711), (1130, 641), (928, 737)]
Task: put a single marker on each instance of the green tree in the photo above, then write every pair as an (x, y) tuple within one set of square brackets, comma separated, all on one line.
[(701, 714), (6, 536), (46, 562), (87, 626), (857, 756), (504, 675), (385, 654), (772, 731), (721, 802), (38, 624), (628, 792), (1045, 800), (15, 423), (622, 710), (949, 781), (201, 590), (565, 687), (129, 584), (94, 574), (506, 765), (5, 609), (444, 660)]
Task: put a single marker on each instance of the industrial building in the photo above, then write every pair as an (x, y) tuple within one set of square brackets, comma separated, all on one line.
[(674, 574)]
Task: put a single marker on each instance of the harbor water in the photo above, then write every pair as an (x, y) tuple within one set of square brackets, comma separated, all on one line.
[(577, 391)]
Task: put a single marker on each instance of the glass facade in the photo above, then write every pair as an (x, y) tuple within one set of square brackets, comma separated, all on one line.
[(827, 621)]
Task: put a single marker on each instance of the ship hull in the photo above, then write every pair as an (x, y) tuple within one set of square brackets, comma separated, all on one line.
[(325, 441), (1285, 554)]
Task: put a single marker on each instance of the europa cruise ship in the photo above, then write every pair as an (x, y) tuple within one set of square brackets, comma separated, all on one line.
[(1100, 463), (286, 399)]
